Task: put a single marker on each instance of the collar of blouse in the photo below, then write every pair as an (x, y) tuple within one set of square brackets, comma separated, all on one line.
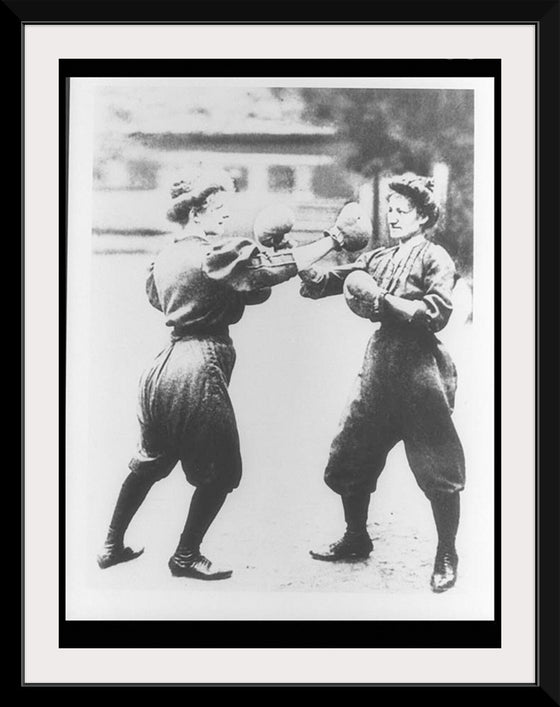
[(406, 246)]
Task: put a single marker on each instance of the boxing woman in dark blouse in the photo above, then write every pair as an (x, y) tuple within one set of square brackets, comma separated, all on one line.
[(406, 388), (201, 283)]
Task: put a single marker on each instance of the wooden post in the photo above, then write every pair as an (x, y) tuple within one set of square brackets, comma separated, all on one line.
[(440, 173), (376, 216)]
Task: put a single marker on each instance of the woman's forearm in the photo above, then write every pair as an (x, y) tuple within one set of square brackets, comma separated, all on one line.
[(306, 255), (405, 310)]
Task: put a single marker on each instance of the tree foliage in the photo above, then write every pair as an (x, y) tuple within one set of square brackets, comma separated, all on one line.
[(390, 131)]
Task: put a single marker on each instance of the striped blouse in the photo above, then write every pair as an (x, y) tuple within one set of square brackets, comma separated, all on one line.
[(419, 270)]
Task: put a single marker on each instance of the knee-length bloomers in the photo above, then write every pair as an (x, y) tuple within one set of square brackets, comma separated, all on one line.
[(406, 387), (184, 409)]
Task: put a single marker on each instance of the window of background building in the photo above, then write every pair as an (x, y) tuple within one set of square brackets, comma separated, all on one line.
[(281, 178), (329, 182), (142, 174)]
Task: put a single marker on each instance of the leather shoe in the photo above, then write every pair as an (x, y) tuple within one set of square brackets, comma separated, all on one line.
[(112, 555), (444, 575), (352, 546), (196, 566)]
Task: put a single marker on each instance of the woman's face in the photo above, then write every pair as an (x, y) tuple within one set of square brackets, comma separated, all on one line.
[(403, 218), (216, 212)]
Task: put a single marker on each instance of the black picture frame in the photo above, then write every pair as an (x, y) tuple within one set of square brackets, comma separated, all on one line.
[(544, 15), (267, 633)]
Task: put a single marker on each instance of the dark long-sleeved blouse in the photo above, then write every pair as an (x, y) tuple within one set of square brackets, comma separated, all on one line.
[(203, 286), (423, 273)]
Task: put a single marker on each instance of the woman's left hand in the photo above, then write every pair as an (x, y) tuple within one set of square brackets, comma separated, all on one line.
[(284, 244)]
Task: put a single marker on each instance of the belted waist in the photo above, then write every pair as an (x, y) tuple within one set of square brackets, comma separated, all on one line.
[(199, 332), (405, 329)]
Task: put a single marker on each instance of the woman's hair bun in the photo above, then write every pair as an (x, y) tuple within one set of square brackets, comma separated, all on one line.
[(191, 192), (420, 191)]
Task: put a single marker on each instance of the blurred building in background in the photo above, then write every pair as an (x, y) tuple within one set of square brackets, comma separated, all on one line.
[(271, 153), (281, 162), (313, 149)]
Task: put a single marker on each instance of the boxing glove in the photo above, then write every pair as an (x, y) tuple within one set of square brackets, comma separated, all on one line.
[(271, 226), (352, 229), (363, 295)]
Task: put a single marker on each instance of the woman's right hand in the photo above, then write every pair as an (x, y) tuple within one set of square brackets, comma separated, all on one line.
[(363, 295)]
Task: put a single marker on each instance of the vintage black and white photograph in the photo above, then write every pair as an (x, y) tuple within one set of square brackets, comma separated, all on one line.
[(280, 361)]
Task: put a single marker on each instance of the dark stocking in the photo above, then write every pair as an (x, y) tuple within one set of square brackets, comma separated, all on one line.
[(356, 512), (446, 509), (133, 492), (205, 505)]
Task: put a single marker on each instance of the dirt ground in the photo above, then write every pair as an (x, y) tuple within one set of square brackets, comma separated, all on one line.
[(296, 360)]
